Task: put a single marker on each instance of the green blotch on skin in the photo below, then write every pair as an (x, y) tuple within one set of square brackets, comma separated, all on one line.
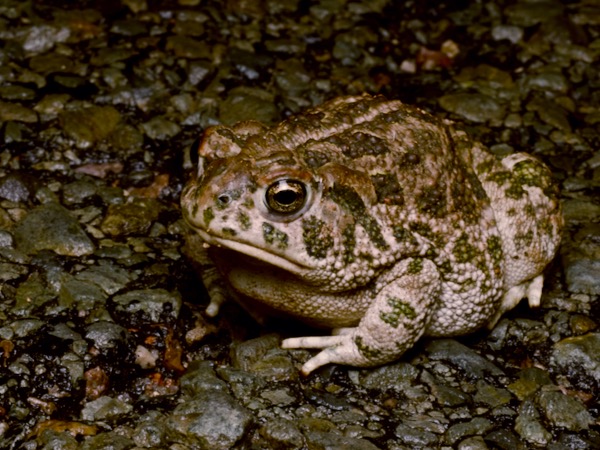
[(486, 167), (349, 200), (524, 239), (193, 212), (316, 240), (494, 246), (349, 243), (365, 350), (524, 173), (399, 310), (273, 236), (445, 267), (244, 221), (229, 232), (388, 189), (432, 201), (415, 266), (208, 216), (463, 251)]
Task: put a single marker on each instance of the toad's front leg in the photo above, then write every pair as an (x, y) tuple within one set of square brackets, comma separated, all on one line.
[(396, 319)]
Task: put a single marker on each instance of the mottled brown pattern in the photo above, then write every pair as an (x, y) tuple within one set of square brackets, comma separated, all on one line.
[(370, 214)]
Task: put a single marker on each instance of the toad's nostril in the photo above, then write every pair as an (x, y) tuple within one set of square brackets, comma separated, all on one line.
[(224, 199)]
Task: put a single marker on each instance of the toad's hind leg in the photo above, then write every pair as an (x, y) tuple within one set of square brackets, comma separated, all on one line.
[(528, 215), (396, 319)]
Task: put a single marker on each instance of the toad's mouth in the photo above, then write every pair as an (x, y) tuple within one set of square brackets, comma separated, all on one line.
[(259, 254)]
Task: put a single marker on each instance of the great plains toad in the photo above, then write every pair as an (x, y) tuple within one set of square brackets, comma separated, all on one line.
[(372, 218)]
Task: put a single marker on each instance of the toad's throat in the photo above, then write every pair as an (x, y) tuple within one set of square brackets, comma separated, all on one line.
[(257, 253)]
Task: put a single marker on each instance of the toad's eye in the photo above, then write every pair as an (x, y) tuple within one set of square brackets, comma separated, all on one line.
[(286, 196)]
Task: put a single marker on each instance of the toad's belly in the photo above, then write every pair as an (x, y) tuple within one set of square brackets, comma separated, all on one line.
[(278, 293)]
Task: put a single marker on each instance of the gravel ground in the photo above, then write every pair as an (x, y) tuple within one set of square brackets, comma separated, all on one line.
[(102, 338)]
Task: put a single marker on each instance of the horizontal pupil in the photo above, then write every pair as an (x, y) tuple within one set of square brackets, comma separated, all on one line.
[(286, 197)]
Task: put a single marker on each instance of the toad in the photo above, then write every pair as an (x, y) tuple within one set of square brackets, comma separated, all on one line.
[(371, 218)]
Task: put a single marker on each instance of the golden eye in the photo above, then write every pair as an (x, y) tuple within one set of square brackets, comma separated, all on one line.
[(286, 196)]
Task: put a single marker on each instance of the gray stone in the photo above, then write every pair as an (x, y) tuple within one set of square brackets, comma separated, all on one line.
[(324, 440), (105, 408), (210, 420), (529, 427), (463, 357), (54, 229), (564, 411), (579, 356), (474, 107), (282, 433), (148, 305), (104, 334)]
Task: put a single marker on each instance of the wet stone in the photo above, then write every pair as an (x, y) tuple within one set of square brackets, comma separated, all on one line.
[(17, 187), (529, 427), (77, 192), (282, 433), (209, 420), (51, 105), (564, 411), (55, 229), (550, 113), (526, 14), (160, 128), (548, 81), (50, 63), (147, 306), (87, 126), (107, 275), (105, 335), (32, 294), (151, 431), (582, 261), (504, 439), (392, 376), (511, 33), (108, 441), (472, 443), (105, 408), (134, 217), (263, 356), (579, 356), (16, 112), (415, 437), (187, 47), (200, 377), (463, 357), (26, 327), (477, 426), (474, 107), (444, 395), (317, 439), (43, 37), (491, 395), (6, 239), (16, 93), (58, 440), (243, 384), (248, 103), (81, 295), (529, 382), (12, 271)]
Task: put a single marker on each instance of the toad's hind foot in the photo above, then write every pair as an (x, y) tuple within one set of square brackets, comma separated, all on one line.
[(338, 349), (532, 289)]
